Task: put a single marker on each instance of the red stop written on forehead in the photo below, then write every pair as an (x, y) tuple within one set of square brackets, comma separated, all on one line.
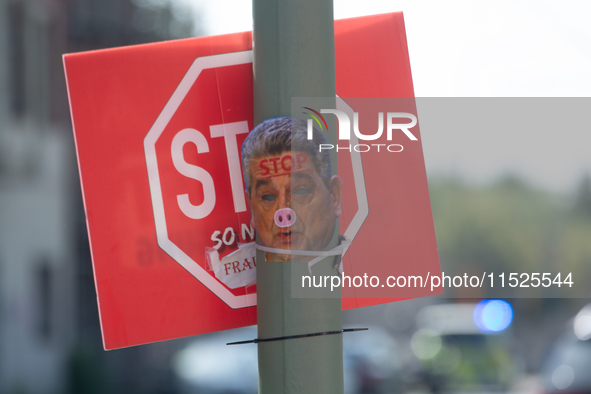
[(282, 165)]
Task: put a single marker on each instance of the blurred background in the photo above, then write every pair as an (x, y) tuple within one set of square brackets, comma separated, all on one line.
[(506, 212)]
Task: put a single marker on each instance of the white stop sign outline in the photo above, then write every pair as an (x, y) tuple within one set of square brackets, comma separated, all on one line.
[(200, 64)]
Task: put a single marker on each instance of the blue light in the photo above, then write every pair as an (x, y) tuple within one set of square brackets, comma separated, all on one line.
[(493, 316)]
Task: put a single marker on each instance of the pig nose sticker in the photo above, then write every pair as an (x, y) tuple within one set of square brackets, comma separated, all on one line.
[(285, 217)]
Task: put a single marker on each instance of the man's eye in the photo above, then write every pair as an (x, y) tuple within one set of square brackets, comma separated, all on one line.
[(301, 191), (268, 197)]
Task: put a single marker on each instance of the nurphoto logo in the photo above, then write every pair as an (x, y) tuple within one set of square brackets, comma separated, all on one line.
[(391, 119)]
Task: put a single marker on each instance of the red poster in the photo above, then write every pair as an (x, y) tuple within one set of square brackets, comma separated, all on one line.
[(158, 131)]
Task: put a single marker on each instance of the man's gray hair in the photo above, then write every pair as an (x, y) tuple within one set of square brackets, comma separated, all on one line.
[(277, 135)]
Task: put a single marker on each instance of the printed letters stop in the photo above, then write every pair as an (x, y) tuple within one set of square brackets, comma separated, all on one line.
[(277, 166), (229, 131)]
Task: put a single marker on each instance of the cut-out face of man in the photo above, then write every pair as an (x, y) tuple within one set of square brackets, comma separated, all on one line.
[(294, 199), (292, 207)]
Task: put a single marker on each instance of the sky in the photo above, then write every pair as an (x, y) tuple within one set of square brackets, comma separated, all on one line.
[(463, 48)]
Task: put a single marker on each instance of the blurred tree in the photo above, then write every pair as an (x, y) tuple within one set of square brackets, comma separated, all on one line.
[(510, 227), (583, 197)]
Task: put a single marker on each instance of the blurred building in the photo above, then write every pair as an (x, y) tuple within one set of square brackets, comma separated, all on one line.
[(49, 328)]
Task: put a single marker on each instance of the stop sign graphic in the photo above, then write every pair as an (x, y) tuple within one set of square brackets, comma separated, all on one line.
[(195, 175)]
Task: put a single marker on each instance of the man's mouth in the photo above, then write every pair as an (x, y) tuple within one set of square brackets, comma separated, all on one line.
[(285, 238)]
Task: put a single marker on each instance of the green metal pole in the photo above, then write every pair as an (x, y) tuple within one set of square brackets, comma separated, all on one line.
[(294, 57)]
